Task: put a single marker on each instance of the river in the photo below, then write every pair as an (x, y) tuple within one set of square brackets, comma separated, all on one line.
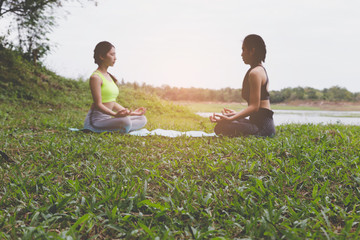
[(316, 117)]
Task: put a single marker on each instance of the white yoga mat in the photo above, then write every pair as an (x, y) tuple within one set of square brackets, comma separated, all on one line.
[(166, 133)]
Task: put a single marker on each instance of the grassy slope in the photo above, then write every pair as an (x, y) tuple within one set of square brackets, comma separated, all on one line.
[(304, 183)]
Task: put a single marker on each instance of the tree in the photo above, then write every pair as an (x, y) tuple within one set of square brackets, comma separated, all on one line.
[(23, 8), (337, 93), (32, 21)]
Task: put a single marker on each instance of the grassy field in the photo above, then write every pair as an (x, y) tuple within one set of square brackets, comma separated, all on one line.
[(301, 184), (56, 184)]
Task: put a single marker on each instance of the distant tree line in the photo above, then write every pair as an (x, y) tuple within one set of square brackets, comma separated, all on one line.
[(334, 94)]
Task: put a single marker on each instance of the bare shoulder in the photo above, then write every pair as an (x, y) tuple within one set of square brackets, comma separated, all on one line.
[(257, 73), (95, 79)]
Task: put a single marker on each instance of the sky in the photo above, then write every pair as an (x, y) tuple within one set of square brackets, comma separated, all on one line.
[(197, 43)]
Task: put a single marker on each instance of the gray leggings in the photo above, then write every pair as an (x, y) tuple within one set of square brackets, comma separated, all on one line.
[(97, 121)]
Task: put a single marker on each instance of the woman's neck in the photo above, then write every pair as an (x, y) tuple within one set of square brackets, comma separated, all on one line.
[(255, 64), (102, 69)]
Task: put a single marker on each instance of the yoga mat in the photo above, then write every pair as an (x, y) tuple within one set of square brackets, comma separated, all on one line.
[(163, 132)]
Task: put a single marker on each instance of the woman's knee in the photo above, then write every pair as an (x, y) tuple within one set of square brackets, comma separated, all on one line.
[(144, 119), (125, 124), (220, 129), (236, 129), (139, 121)]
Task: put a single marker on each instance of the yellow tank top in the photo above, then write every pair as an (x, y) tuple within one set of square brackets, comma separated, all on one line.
[(109, 90)]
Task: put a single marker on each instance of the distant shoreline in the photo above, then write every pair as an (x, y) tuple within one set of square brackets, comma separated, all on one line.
[(293, 105)]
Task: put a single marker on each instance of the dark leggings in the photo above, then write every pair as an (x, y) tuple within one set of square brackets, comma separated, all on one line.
[(260, 123)]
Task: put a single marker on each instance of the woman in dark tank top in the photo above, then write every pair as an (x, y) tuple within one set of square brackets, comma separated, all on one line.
[(256, 119)]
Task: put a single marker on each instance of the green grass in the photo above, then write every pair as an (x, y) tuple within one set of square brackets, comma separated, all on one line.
[(209, 107), (56, 184), (304, 183)]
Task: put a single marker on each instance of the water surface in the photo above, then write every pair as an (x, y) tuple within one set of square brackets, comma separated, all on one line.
[(316, 117)]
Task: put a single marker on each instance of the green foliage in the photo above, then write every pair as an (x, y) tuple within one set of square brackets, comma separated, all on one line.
[(23, 8), (31, 22), (337, 94), (333, 94), (21, 80)]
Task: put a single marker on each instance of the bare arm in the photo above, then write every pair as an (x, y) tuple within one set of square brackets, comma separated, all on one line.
[(118, 107), (254, 101), (255, 80)]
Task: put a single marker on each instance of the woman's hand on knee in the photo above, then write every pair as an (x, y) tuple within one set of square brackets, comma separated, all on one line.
[(228, 112), (138, 112), (215, 118), (123, 113)]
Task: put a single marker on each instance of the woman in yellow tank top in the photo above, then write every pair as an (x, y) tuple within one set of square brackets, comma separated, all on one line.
[(105, 113)]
